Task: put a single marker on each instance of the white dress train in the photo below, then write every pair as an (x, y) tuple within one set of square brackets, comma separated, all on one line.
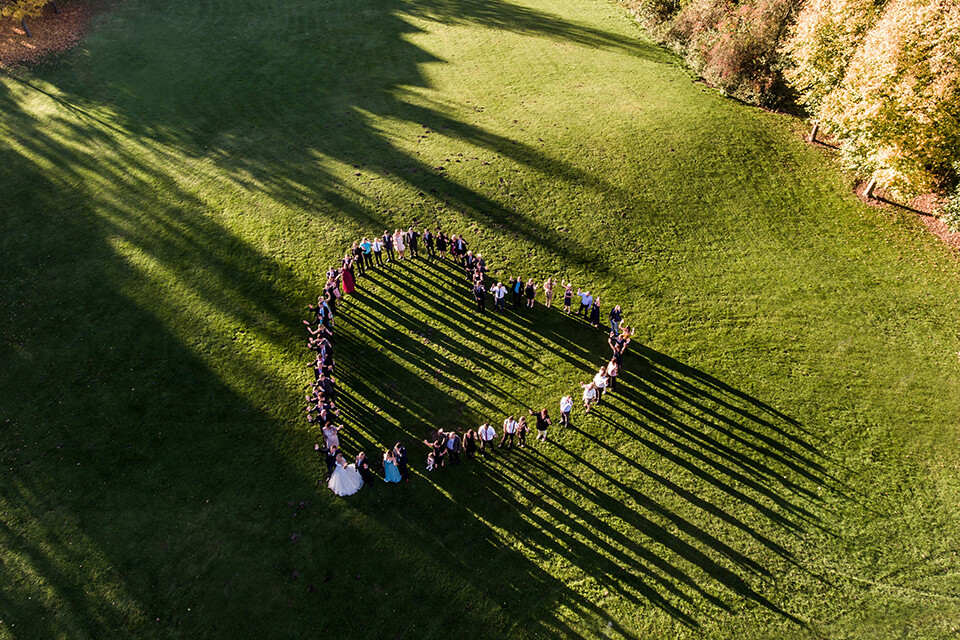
[(345, 481)]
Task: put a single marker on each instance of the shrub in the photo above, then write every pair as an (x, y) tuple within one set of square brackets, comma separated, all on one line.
[(654, 13), (736, 47), (950, 211)]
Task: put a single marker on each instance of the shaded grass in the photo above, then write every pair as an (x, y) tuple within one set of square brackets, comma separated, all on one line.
[(781, 460)]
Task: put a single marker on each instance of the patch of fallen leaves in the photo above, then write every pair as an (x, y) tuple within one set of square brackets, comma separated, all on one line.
[(52, 32)]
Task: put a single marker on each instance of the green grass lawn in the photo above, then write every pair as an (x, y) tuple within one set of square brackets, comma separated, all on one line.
[(781, 460)]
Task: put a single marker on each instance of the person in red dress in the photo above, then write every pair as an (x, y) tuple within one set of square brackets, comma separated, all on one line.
[(346, 274)]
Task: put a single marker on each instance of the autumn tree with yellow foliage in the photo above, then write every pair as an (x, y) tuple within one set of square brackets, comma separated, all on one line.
[(884, 78)]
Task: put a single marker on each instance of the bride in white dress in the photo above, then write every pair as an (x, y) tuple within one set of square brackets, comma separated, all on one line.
[(345, 479)]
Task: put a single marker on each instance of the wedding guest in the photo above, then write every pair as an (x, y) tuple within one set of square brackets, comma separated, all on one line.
[(439, 448), (509, 432), (331, 293), (567, 296), (431, 462), (600, 381), (487, 434), (548, 285), (566, 406), (398, 243), (388, 245), (617, 356), (390, 471), (469, 265), (428, 239), (454, 446), (530, 291), (400, 455), (346, 274), (331, 435), (442, 243), (616, 317), (613, 370), (586, 301), (413, 239), (522, 430), (499, 292), (470, 443), (357, 254), (327, 386), (367, 248), (543, 421), (517, 289), (325, 314), (377, 246), (480, 295), (459, 248), (619, 343), (595, 313), (589, 395)]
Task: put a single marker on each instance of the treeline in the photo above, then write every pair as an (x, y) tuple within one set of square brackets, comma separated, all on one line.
[(880, 76)]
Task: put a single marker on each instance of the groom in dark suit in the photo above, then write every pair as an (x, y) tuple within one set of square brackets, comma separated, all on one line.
[(331, 458), (363, 466)]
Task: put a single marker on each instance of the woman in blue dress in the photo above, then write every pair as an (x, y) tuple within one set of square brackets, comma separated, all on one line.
[(390, 471)]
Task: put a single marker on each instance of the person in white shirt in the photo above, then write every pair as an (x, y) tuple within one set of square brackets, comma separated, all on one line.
[(487, 434), (509, 431), (499, 294), (612, 372), (566, 406), (600, 380), (378, 251), (589, 395)]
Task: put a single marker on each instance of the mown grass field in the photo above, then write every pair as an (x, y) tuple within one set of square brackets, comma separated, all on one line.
[(780, 462)]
